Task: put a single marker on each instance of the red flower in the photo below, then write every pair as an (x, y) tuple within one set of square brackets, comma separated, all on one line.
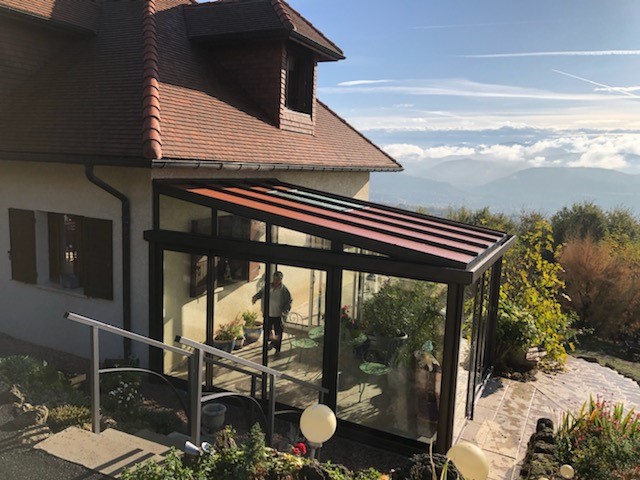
[(296, 451), (301, 447)]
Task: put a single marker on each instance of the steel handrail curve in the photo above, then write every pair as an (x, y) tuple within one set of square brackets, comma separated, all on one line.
[(144, 370), (217, 395)]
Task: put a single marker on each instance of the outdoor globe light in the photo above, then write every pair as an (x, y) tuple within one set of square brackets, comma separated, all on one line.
[(566, 471), (470, 460), (318, 424)]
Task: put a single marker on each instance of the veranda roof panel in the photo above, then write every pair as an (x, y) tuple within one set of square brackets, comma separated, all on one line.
[(390, 231)]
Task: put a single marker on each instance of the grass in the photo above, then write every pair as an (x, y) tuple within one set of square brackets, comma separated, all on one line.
[(608, 354)]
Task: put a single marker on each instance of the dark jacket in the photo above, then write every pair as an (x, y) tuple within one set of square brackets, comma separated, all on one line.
[(285, 300)]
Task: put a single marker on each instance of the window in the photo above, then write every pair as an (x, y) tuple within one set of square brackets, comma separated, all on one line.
[(299, 90), (79, 251)]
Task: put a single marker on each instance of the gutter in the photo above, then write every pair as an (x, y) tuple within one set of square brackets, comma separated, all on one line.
[(126, 252), (237, 166)]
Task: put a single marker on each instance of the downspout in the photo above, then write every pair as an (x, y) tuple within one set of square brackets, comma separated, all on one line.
[(126, 252)]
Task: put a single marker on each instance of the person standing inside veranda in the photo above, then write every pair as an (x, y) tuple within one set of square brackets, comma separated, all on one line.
[(279, 306)]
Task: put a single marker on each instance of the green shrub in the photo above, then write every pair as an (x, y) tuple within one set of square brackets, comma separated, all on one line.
[(249, 461), (65, 416), (601, 441), (41, 383), (171, 468), (515, 331)]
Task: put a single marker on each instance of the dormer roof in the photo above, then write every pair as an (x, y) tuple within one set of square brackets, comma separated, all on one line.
[(139, 92), (226, 20)]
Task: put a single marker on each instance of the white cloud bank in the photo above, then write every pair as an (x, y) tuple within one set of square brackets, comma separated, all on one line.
[(601, 151), (353, 83)]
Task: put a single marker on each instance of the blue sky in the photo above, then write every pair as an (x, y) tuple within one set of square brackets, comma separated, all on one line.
[(545, 83)]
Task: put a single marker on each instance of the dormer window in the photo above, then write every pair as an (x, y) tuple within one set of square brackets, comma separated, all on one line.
[(299, 91)]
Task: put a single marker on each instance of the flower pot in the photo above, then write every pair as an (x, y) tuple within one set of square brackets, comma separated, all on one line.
[(224, 345), (213, 416), (239, 343), (252, 334), (384, 349)]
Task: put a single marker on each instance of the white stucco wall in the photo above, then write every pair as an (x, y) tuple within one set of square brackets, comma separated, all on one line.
[(34, 312)]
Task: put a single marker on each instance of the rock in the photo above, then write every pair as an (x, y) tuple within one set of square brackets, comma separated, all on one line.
[(12, 395), (36, 416), (313, 471), (544, 423), (544, 447)]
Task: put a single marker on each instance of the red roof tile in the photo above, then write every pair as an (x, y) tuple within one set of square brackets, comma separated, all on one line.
[(141, 89), (73, 13)]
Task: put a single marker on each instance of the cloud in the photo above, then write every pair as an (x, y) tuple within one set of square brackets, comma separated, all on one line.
[(617, 89), (353, 83), (602, 85), (403, 105), (601, 151), (457, 87), (567, 53)]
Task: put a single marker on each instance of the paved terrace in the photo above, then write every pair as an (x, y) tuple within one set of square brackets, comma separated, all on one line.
[(507, 413)]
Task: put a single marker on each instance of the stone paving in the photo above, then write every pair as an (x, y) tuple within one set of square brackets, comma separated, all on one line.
[(507, 412)]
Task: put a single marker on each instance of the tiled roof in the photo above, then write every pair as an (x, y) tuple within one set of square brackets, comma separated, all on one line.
[(232, 18), (139, 89), (73, 13)]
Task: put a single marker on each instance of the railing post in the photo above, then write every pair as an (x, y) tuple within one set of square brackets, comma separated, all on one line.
[(195, 395), (94, 376), (271, 417)]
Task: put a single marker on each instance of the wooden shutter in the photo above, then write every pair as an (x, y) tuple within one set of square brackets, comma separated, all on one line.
[(55, 221), (22, 235), (97, 258)]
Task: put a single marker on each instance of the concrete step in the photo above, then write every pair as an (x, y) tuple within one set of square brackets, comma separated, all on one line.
[(109, 452)]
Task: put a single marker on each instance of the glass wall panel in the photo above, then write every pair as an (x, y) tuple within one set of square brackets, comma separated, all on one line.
[(472, 364), (238, 323), (391, 342), (286, 236), (303, 338), (241, 228), (184, 307), (181, 216)]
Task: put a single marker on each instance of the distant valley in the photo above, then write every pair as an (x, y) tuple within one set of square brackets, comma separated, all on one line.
[(476, 184)]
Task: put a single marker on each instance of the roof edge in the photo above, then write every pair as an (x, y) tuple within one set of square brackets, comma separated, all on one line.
[(151, 132), (238, 166), (399, 166), (338, 49), (283, 16)]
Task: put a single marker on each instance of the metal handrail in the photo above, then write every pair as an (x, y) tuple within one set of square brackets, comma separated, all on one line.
[(124, 333), (96, 326), (150, 372), (195, 368)]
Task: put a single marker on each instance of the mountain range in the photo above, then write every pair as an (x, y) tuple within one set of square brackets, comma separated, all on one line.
[(477, 184)]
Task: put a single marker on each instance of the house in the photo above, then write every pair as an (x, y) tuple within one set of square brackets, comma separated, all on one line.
[(158, 158)]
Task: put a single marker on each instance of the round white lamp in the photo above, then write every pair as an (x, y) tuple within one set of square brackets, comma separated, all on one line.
[(470, 460), (318, 424), (567, 471)]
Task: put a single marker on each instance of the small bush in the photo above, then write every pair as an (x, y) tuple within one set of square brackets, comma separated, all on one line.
[(66, 416), (601, 441), (516, 331)]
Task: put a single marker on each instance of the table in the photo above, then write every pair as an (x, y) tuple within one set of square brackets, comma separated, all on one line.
[(372, 369)]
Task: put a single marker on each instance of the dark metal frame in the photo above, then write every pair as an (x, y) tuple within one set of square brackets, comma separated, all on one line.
[(334, 261)]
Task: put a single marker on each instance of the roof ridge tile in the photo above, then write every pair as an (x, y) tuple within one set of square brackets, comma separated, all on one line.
[(284, 17), (151, 132)]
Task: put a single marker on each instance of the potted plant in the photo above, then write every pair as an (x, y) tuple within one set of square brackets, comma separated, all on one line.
[(252, 326), (400, 313), (225, 338)]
